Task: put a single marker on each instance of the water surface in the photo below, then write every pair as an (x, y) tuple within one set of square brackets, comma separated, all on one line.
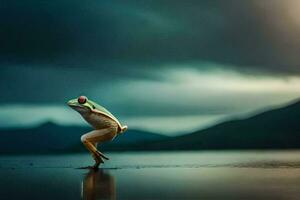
[(154, 175)]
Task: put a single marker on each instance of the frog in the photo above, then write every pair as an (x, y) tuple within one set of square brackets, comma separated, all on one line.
[(106, 126)]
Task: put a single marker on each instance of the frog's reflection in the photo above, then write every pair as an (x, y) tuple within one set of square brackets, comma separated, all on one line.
[(98, 184)]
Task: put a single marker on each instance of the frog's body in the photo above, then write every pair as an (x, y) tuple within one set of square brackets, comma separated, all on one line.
[(105, 124), (99, 121), (102, 118)]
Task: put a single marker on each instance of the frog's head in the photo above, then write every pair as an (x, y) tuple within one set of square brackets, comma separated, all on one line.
[(81, 105)]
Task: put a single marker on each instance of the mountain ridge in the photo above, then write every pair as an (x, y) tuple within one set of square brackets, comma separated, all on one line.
[(272, 129), (277, 128)]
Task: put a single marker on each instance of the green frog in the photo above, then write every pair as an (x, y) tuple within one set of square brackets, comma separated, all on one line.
[(106, 126)]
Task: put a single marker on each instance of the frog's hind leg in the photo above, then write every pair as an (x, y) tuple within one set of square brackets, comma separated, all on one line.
[(92, 149), (91, 139)]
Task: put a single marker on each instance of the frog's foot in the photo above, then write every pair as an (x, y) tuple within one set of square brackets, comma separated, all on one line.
[(96, 166), (98, 153), (98, 160), (97, 163)]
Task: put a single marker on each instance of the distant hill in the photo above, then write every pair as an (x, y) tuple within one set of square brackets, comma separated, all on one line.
[(52, 138), (274, 129)]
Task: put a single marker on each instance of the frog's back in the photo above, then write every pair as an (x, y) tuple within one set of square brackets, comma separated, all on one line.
[(104, 111)]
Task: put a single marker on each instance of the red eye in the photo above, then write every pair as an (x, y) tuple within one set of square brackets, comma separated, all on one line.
[(82, 99)]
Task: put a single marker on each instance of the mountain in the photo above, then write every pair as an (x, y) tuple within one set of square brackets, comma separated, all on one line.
[(52, 138), (274, 129)]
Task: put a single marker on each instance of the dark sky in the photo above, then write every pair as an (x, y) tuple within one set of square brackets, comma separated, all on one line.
[(258, 34), (150, 58)]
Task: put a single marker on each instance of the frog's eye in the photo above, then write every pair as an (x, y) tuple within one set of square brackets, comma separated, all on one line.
[(81, 99)]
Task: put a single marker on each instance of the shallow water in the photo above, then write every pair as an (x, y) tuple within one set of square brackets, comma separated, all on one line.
[(154, 175)]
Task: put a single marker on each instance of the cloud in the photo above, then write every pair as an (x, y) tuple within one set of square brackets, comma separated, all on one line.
[(186, 91), (179, 91), (250, 35), (18, 115), (179, 99)]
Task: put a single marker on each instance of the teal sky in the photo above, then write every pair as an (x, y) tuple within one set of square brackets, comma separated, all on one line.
[(164, 66)]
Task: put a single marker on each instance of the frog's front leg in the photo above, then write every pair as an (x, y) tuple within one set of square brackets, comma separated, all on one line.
[(97, 136)]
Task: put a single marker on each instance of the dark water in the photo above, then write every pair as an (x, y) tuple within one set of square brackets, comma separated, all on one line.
[(154, 175)]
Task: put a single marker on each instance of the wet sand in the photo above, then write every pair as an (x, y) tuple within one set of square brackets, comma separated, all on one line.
[(154, 175)]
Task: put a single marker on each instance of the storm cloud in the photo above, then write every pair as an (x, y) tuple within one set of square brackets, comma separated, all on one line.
[(249, 35)]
